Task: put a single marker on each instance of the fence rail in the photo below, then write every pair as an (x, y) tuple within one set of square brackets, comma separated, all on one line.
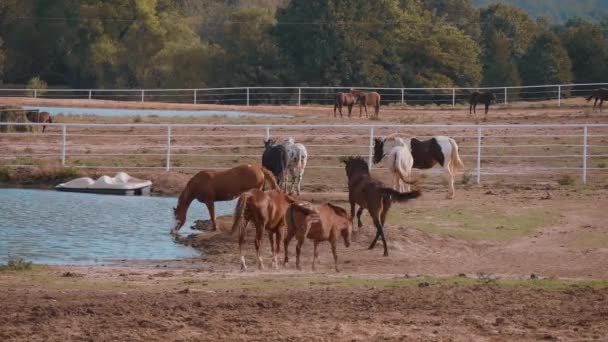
[(532, 150), (312, 95)]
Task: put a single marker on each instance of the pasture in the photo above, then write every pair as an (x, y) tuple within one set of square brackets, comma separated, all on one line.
[(519, 256)]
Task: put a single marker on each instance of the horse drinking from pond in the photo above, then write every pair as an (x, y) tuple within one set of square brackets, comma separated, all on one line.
[(39, 117), (274, 159), (368, 99), (325, 223), (345, 99), (371, 194), (486, 98), (209, 186), (601, 95), (266, 209), (297, 157), (425, 154)]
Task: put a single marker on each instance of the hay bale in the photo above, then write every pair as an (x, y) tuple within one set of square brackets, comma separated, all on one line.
[(13, 114)]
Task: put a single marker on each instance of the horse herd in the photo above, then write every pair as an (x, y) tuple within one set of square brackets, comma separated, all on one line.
[(283, 216)]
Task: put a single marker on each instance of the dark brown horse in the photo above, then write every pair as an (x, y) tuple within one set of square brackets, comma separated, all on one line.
[(371, 194), (345, 99), (209, 186), (326, 223), (486, 98), (39, 117), (266, 209), (368, 99), (601, 95)]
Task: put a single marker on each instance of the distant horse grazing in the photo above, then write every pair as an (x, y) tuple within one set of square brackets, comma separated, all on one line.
[(39, 117), (601, 95), (297, 157), (486, 98), (274, 159), (426, 154), (345, 99), (324, 223), (371, 194), (368, 99), (266, 209), (210, 186)]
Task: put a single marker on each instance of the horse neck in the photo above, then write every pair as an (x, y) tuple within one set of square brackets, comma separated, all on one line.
[(183, 203)]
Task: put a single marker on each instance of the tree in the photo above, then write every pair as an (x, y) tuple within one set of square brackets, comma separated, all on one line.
[(587, 47), (460, 13), (500, 69), (2, 59), (546, 62)]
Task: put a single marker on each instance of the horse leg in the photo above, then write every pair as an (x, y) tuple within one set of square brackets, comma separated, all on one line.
[(448, 174), (315, 255), (366, 116), (334, 252), (211, 208), (298, 252), (378, 228), (241, 241), (601, 104), (290, 234), (385, 207), (273, 250), (359, 213), (259, 229)]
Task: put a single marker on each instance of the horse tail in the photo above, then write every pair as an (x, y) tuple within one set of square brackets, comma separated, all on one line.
[(269, 177), (50, 119), (403, 174), (455, 157), (590, 98), (239, 212), (396, 196)]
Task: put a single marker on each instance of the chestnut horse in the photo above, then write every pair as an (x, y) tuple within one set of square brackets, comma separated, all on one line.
[(371, 194), (266, 209), (209, 186), (345, 99), (325, 223), (368, 99), (601, 95), (39, 117)]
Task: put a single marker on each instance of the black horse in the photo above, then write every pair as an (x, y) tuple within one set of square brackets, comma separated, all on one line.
[(486, 98), (275, 160), (601, 95)]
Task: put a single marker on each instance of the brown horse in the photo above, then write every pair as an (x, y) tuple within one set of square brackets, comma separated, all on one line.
[(210, 186), (368, 99), (345, 99), (486, 98), (371, 194), (39, 117), (325, 223), (266, 209), (601, 95)]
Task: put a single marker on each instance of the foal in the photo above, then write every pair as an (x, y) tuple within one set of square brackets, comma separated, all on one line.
[(371, 194), (267, 211), (325, 223)]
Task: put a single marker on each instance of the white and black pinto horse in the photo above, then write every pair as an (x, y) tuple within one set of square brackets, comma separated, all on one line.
[(297, 157), (275, 159), (405, 154)]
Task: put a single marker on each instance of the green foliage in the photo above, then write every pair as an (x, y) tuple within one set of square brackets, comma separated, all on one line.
[(558, 10), (36, 83), (16, 264), (546, 62), (587, 46), (2, 60)]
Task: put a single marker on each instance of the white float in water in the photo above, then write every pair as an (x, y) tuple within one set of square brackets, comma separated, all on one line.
[(121, 184)]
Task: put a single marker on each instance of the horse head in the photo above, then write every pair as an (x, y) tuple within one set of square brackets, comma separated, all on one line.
[(178, 220), (378, 150), (354, 165), (269, 142)]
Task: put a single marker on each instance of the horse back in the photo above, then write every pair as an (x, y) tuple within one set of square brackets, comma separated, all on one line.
[(426, 153)]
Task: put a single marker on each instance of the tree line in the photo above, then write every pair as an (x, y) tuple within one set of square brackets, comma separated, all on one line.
[(213, 43)]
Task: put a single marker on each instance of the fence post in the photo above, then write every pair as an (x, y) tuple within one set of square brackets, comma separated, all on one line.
[(506, 90), (247, 97), (559, 95), (143, 92), (194, 96), (402, 96), (371, 147), (267, 133), (453, 97), (35, 93), (168, 158), (63, 143), (299, 97), (478, 154), (90, 94), (585, 155)]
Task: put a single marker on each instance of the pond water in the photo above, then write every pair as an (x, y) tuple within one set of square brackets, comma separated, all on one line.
[(147, 112), (52, 227)]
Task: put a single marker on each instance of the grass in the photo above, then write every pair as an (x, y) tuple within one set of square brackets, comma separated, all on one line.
[(565, 180), (16, 264)]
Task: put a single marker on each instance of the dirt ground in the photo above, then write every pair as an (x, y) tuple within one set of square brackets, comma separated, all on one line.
[(502, 261)]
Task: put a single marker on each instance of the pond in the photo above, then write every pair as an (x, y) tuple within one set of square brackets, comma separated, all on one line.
[(51, 227), (147, 112)]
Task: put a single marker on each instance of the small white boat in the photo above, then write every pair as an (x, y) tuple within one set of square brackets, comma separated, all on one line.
[(121, 184)]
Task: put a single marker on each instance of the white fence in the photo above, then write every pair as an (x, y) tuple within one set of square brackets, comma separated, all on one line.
[(530, 151), (312, 95)]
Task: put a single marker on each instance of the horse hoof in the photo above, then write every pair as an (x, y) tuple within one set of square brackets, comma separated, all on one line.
[(385, 254)]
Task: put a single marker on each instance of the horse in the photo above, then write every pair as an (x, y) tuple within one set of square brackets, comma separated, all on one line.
[(39, 117), (266, 209), (274, 159), (371, 194), (345, 99), (601, 95), (367, 99), (324, 223), (426, 154), (486, 98), (297, 157), (209, 186)]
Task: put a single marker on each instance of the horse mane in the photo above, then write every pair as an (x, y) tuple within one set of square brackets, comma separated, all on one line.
[(357, 92), (393, 137), (356, 163), (290, 140), (338, 210)]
